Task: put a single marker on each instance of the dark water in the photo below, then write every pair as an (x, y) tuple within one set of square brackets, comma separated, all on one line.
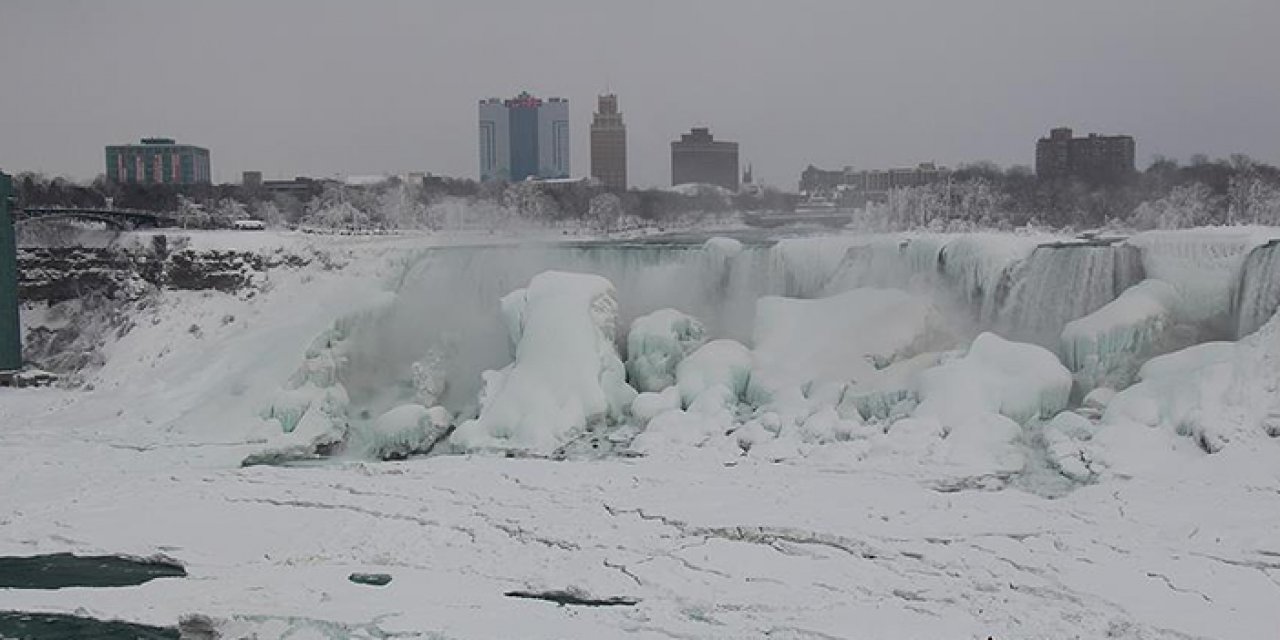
[(59, 570), (17, 625)]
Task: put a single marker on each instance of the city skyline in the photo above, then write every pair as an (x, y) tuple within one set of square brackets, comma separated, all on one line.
[(384, 89)]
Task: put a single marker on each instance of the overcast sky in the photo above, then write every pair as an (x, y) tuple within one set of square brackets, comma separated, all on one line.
[(307, 87)]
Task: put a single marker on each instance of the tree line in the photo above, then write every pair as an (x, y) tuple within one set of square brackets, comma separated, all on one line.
[(1167, 194)]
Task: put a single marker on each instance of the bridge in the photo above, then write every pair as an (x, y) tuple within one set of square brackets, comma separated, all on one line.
[(123, 219)]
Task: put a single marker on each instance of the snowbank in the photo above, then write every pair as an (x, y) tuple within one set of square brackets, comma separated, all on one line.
[(656, 343), (1106, 347), (566, 377)]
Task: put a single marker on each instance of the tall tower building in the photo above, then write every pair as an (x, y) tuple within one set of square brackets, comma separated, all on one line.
[(609, 144), (524, 137), (697, 157)]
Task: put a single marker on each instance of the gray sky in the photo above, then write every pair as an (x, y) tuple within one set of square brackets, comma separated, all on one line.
[(307, 87)]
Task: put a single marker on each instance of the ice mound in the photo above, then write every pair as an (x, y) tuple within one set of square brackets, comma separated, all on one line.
[(982, 399), (657, 343), (876, 397), (567, 376), (1216, 393), (1064, 436), (724, 363), (1016, 380), (808, 348), (1106, 347), (649, 405), (405, 430)]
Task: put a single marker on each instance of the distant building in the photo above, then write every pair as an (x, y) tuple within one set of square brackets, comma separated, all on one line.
[(251, 179), (524, 137), (699, 158), (158, 161), (1095, 158), (873, 185), (300, 188), (609, 144)]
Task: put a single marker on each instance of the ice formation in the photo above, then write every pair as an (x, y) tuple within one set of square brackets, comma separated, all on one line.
[(1205, 266), (567, 376), (405, 430), (656, 343), (1064, 438), (1216, 393), (1064, 281), (1259, 294), (981, 400), (1017, 380), (725, 363), (649, 404), (806, 349), (310, 414), (877, 396), (722, 250), (1106, 347)]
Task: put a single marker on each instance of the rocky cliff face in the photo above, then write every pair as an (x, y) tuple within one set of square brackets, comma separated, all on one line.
[(58, 274), (76, 299)]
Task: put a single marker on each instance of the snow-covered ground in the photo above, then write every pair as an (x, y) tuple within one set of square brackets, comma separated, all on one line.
[(802, 519)]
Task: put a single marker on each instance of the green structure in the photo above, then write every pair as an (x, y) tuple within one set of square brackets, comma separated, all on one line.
[(158, 161), (10, 331)]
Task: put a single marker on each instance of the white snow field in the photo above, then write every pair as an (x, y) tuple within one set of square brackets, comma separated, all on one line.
[(850, 436)]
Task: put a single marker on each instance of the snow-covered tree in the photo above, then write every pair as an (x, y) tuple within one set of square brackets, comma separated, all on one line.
[(1185, 206), (333, 210), (527, 199), (400, 208), (605, 210), (1251, 200)]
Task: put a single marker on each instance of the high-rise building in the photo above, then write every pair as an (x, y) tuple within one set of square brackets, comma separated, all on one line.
[(609, 144), (158, 161), (1095, 158), (697, 157), (524, 137)]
